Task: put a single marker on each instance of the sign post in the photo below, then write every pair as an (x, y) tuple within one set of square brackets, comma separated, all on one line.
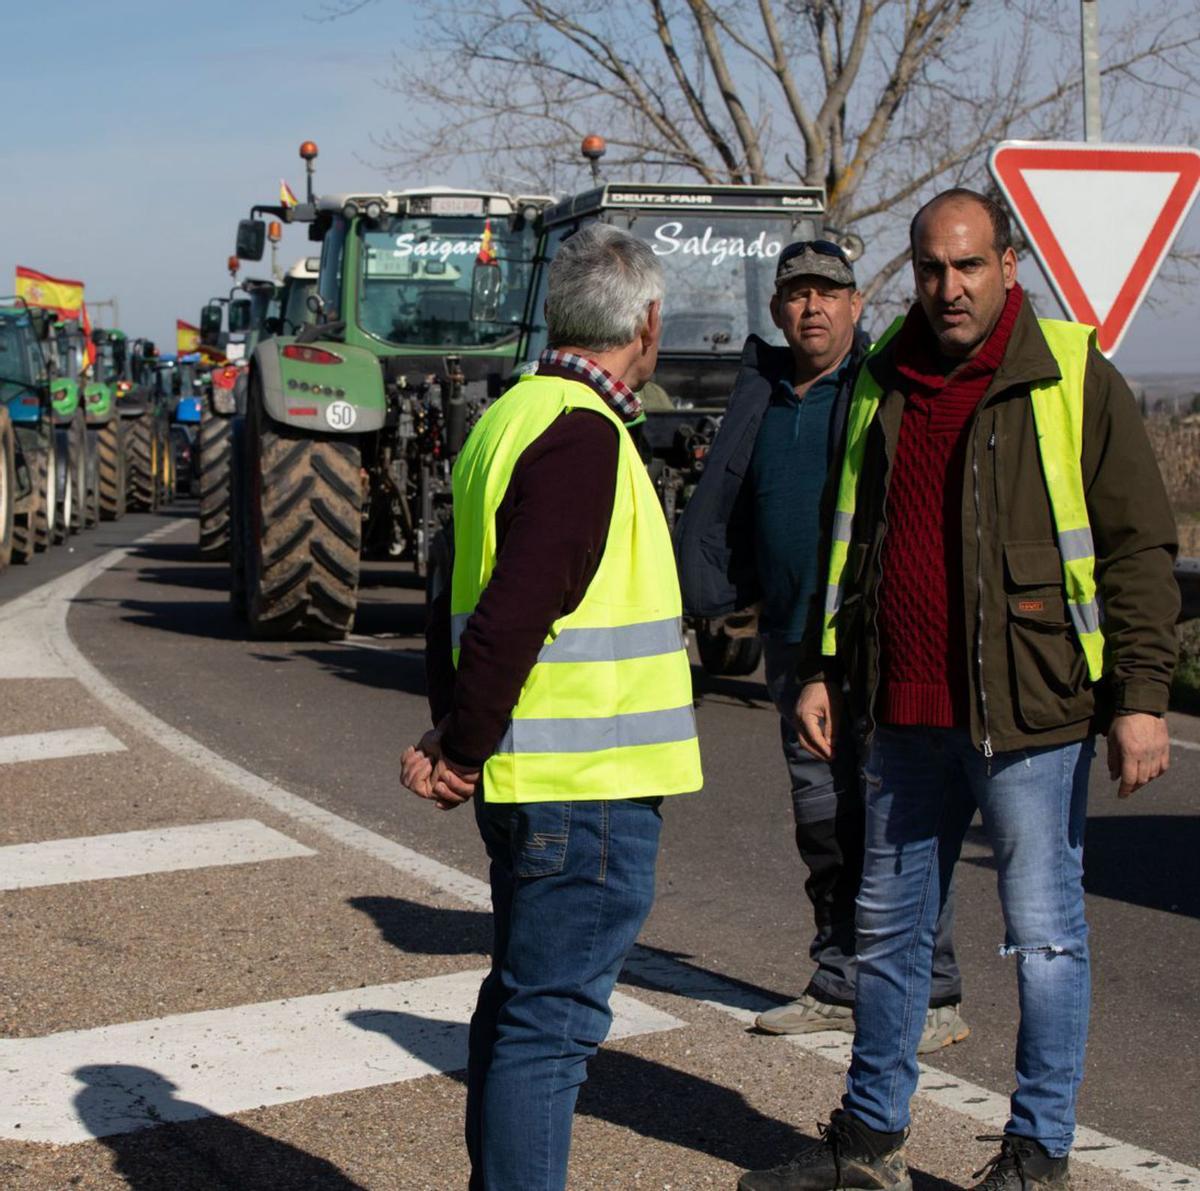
[(1089, 36), (1099, 218)]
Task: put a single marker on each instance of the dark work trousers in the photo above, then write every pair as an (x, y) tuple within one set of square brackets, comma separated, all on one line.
[(827, 803)]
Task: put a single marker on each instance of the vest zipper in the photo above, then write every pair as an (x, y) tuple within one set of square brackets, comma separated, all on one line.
[(983, 705)]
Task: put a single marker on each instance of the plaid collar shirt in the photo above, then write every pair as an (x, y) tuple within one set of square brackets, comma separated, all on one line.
[(618, 395)]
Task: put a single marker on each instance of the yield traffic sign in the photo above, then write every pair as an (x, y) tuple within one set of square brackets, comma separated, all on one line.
[(1099, 218)]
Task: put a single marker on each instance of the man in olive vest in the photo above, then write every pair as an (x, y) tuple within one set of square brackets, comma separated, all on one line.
[(562, 692), (1000, 590)]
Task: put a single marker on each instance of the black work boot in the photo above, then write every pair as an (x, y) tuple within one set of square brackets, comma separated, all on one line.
[(849, 1155), (1022, 1165)]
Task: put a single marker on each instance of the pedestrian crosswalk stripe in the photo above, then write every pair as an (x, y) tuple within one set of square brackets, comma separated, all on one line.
[(114, 1079), (137, 853), (63, 742)]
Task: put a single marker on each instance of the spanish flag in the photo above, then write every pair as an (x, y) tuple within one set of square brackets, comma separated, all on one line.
[(50, 293), (187, 337), (286, 197), (90, 347), (487, 252)]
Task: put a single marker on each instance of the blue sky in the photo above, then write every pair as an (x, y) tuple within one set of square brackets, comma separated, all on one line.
[(146, 130)]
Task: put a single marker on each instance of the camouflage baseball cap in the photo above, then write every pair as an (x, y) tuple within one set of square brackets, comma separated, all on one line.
[(813, 258)]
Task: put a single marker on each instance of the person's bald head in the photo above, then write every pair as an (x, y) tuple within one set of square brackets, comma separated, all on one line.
[(964, 265), (960, 196)]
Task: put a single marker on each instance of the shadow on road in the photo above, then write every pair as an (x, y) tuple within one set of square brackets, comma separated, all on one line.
[(176, 1145), (427, 930), (646, 1097), (430, 930), (1145, 860), (384, 669), (1142, 860)]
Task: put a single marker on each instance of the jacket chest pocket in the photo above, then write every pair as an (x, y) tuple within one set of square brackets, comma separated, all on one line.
[(1049, 671)]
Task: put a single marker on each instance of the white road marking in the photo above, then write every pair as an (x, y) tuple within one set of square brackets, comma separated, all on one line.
[(1185, 744), (24, 654), (73, 1086), (1147, 1169), (138, 853), (63, 742)]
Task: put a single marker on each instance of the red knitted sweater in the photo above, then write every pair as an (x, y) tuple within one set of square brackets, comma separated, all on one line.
[(922, 634)]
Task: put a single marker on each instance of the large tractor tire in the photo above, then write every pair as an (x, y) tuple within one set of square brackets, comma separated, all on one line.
[(45, 518), (110, 466), (27, 518), (75, 518), (64, 491), (143, 463), (239, 520), (304, 531), (215, 447), (8, 487), (41, 519), (731, 657)]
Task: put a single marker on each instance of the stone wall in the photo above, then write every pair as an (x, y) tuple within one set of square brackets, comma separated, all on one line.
[(1176, 442)]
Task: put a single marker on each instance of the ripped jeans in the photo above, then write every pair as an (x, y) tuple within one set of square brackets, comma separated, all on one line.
[(922, 788)]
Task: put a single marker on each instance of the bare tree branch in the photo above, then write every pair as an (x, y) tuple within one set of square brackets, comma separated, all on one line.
[(881, 101)]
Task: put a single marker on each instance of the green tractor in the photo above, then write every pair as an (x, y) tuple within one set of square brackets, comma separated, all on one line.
[(102, 395), (146, 418), (353, 423), (264, 312), (718, 246), (78, 495), (29, 516)]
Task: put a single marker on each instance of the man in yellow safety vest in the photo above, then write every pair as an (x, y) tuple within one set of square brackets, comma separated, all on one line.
[(561, 688), (1000, 590)]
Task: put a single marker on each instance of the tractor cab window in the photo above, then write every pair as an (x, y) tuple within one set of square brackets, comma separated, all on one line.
[(187, 379), (110, 360), (296, 313), (262, 299), (333, 253), (720, 274), (416, 279), (19, 361)]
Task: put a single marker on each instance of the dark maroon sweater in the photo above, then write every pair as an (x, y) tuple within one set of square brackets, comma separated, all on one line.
[(551, 528), (921, 618)]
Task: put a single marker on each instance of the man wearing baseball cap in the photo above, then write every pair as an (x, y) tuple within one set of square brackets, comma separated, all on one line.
[(755, 535)]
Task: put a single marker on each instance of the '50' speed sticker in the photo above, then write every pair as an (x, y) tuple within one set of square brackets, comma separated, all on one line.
[(341, 415)]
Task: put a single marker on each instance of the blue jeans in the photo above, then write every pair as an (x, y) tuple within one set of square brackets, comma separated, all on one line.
[(827, 806), (572, 883), (923, 786)]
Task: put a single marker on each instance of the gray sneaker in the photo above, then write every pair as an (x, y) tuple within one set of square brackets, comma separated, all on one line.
[(806, 1015), (943, 1027)]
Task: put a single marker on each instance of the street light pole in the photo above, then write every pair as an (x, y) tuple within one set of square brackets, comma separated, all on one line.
[(1089, 29), (97, 303)]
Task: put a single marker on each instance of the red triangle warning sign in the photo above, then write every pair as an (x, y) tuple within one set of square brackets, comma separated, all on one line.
[(1099, 218)]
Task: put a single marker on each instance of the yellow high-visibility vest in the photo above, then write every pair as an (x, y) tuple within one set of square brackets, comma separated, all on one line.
[(1058, 417), (606, 711)]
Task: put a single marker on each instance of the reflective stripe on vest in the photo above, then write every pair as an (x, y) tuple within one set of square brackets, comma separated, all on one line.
[(1058, 418), (606, 711), (863, 404)]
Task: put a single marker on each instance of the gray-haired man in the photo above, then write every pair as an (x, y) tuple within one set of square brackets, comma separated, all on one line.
[(571, 696)]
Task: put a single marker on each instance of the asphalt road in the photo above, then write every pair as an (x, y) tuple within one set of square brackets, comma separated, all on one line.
[(328, 721)]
